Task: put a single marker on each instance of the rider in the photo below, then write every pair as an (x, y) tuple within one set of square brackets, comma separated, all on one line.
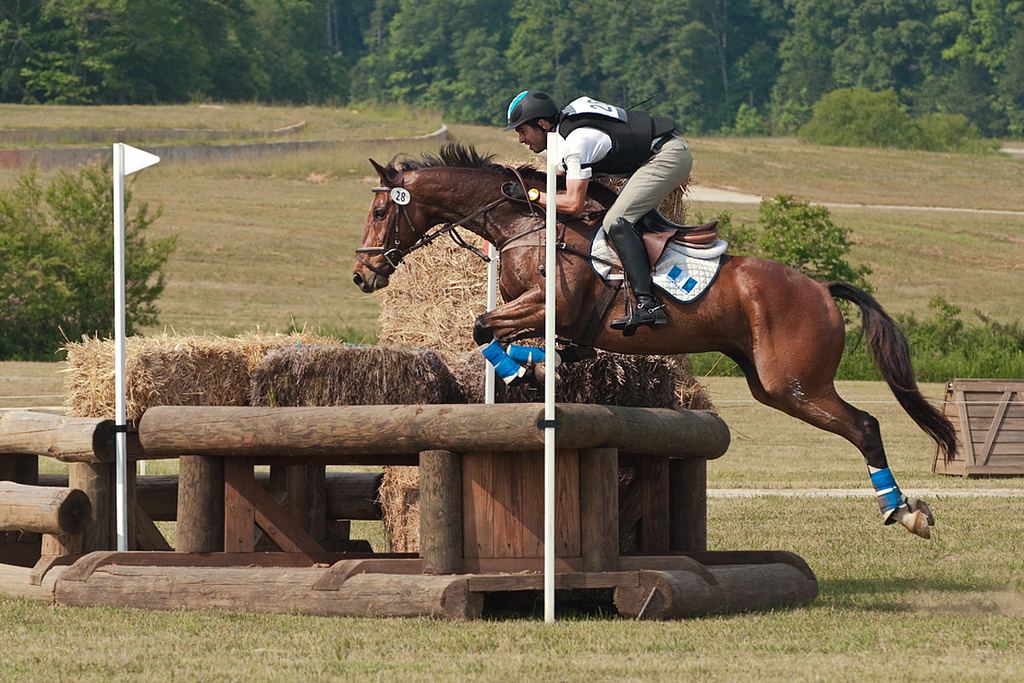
[(599, 139)]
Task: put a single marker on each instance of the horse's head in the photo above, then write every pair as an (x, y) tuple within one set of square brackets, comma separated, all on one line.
[(391, 228)]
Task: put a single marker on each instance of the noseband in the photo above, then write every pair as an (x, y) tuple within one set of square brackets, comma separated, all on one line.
[(394, 255)]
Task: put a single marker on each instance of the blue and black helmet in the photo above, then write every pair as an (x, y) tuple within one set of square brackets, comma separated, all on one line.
[(528, 106)]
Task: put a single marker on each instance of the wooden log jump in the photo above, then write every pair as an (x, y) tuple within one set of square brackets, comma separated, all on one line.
[(67, 439), (480, 522), (340, 435), (42, 509)]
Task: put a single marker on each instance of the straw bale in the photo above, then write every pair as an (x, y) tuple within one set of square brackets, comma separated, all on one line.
[(400, 503), (352, 374), (168, 369), (608, 379), (434, 297)]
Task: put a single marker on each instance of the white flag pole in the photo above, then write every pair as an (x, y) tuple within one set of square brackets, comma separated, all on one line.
[(550, 279), (492, 303), (127, 160)]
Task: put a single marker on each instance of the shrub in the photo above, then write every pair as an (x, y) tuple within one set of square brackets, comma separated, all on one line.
[(57, 263), (858, 117), (946, 347)]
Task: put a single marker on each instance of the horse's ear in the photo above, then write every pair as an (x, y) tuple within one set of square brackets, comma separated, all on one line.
[(381, 171)]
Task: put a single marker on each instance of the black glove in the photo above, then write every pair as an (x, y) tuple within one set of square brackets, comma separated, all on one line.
[(516, 191)]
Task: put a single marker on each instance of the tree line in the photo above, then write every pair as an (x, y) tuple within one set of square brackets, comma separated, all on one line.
[(735, 66)]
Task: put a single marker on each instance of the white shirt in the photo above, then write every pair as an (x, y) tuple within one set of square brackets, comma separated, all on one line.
[(582, 147)]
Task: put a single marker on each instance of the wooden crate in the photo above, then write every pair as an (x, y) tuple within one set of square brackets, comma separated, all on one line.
[(988, 415)]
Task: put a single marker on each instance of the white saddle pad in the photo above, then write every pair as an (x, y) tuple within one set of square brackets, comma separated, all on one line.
[(684, 273)]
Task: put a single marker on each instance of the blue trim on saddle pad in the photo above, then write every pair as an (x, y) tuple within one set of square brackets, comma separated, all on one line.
[(684, 273)]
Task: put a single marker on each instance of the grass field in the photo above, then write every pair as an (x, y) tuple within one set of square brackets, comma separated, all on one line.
[(269, 243)]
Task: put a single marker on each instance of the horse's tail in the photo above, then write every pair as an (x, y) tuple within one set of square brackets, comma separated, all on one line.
[(892, 356)]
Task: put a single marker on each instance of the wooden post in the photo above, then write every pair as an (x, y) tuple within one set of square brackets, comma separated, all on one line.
[(688, 504), (43, 509), (654, 525), (22, 468), (200, 504), (599, 508), (441, 512), (239, 511), (68, 439), (97, 480)]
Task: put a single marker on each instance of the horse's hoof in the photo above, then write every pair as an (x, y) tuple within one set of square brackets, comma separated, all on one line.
[(922, 507), (540, 371), (917, 523)]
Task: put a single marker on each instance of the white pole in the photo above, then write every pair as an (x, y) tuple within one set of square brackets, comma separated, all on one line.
[(121, 436), (492, 303), (127, 160), (550, 278)]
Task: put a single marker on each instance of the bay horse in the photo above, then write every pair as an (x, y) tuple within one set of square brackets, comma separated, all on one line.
[(783, 329)]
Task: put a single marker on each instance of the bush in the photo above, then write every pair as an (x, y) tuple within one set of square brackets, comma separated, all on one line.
[(804, 237), (57, 263), (946, 347), (858, 117)]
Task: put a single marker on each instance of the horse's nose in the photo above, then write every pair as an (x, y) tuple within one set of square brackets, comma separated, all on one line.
[(358, 279)]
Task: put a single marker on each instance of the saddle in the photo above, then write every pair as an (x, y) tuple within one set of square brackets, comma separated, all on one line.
[(656, 232)]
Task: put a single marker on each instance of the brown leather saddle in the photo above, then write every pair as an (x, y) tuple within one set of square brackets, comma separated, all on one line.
[(657, 231)]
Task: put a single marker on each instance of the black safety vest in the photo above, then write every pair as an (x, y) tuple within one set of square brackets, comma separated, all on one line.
[(631, 139)]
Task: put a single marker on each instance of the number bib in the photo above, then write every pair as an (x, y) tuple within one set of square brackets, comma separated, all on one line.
[(588, 105)]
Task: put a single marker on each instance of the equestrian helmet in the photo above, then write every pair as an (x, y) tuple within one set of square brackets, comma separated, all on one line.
[(528, 106)]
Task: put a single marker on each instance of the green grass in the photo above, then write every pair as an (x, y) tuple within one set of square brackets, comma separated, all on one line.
[(951, 609), (368, 121)]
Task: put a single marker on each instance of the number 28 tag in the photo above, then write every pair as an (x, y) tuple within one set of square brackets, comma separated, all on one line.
[(400, 196)]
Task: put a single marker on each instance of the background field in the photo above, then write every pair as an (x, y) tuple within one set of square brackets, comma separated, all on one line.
[(269, 243)]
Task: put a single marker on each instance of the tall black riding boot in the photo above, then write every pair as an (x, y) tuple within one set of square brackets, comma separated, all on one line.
[(637, 268)]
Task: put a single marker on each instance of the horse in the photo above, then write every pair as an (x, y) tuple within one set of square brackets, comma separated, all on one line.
[(783, 329)]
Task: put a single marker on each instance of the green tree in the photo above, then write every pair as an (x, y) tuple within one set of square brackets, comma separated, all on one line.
[(56, 263), (858, 117), (804, 237)]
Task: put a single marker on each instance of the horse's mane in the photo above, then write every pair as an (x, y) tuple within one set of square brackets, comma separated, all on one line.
[(452, 155), (457, 155)]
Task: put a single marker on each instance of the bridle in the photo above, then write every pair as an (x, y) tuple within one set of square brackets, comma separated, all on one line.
[(395, 254)]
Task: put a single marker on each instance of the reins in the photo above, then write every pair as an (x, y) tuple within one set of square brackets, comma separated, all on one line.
[(394, 256)]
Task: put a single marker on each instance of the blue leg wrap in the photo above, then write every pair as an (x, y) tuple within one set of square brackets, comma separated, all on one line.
[(525, 354), (890, 498), (506, 368)]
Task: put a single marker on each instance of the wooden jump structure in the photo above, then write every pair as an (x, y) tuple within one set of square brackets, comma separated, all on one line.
[(988, 415), (247, 539)]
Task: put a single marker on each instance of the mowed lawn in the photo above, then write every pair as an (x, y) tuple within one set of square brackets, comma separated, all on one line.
[(268, 243)]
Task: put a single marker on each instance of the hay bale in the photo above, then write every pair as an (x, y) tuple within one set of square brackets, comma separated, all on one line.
[(351, 374), (608, 379), (183, 370), (400, 506), (434, 297)]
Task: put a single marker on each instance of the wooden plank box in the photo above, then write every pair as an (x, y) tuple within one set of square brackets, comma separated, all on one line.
[(988, 415)]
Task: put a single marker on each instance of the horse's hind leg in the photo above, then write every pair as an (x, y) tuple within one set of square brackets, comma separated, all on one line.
[(812, 397)]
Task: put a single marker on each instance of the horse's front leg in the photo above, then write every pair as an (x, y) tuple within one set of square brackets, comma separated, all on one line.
[(519, 319)]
